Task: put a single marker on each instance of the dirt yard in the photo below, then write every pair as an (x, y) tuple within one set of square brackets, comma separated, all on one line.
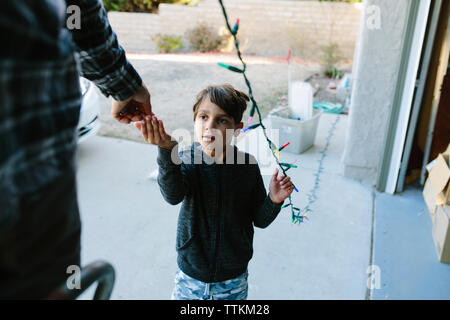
[(174, 80)]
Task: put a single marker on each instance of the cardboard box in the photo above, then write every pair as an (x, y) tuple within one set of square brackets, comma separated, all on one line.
[(441, 233), (437, 187)]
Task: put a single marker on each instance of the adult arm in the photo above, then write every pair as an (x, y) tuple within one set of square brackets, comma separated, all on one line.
[(103, 61)]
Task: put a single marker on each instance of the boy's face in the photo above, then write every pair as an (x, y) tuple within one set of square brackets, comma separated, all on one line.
[(211, 125)]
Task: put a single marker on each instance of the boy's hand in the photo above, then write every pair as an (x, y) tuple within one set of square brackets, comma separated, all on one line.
[(280, 188), (154, 133)]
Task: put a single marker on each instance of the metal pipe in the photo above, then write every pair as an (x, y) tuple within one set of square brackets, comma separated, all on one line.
[(98, 271)]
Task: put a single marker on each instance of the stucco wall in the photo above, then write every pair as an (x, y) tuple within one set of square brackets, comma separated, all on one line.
[(376, 67), (267, 27)]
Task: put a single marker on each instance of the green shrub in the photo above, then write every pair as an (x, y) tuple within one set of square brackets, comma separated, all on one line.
[(203, 38), (114, 5), (350, 1), (150, 6), (166, 43), (330, 57)]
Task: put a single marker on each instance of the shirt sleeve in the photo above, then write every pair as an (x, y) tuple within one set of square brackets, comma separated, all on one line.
[(171, 176), (265, 210), (102, 60)]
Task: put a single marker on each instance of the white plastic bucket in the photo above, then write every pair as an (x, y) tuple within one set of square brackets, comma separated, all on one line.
[(301, 100), (300, 133)]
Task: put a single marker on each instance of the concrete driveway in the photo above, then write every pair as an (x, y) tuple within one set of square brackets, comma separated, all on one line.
[(352, 227)]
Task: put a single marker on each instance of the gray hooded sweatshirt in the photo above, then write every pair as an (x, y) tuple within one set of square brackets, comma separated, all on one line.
[(221, 204)]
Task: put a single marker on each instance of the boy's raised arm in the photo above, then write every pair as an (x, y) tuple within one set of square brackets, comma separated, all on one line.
[(171, 178), (265, 209)]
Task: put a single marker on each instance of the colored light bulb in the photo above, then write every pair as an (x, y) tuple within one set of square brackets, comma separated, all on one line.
[(251, 127), (236, 26), (284, 146), (231, 68)]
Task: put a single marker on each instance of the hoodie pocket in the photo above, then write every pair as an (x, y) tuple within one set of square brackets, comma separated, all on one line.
[(185, 230), (183, 241)]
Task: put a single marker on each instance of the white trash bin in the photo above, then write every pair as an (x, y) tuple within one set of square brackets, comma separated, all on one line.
[(300, 133)]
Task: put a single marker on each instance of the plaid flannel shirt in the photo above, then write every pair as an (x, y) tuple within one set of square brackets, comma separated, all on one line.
[(40, 98)]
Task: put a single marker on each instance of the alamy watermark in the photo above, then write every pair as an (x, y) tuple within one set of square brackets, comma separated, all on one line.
[(73, 20), (74, 280), (256, 145), (374, 280), (373, 17)]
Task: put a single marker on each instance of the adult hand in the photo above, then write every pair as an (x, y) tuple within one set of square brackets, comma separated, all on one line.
[(280, 187), (134, 108)]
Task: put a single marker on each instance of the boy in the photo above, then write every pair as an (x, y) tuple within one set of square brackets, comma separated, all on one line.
[(221, 201)]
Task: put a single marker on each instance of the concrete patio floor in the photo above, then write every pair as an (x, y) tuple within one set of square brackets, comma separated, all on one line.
[(404, 249), (127, 222)]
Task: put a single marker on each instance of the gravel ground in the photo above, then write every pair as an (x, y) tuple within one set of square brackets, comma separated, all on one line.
[(174, 80)]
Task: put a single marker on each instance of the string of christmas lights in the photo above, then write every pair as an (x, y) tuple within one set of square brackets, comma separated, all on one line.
[(312, 197), (297, 215)]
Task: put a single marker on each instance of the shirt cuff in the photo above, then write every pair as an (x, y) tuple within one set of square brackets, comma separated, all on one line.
[(165, 159), (273, 203)]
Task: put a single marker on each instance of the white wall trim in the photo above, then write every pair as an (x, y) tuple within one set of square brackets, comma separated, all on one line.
[(407, 97)]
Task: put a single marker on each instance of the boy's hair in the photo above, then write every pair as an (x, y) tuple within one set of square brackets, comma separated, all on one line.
[(230, 100)]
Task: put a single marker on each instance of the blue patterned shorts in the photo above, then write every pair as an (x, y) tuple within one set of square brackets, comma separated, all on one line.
[(187, 288)]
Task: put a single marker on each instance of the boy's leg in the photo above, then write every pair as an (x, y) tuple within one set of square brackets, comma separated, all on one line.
[(233, 289), (187, 288)]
